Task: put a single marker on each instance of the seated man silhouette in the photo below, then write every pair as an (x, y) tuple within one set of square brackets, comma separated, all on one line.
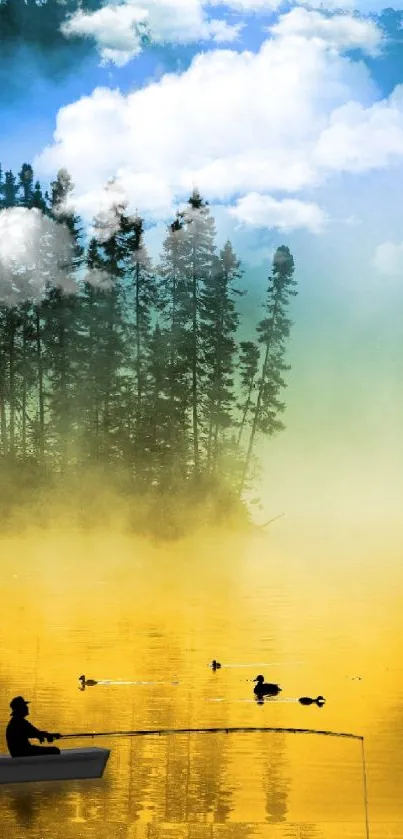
[(19, 730)]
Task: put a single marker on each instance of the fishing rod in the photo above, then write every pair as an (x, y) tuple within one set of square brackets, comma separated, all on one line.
[(164, 732)]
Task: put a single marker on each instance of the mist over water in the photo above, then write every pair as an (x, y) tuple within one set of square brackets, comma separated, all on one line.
[(115, 607)]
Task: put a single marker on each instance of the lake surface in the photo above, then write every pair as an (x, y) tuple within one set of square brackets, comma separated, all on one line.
[(313, 614)]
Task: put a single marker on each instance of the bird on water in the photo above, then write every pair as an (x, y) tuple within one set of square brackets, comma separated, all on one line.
[(86, 683), (307, 700), (265, 688)]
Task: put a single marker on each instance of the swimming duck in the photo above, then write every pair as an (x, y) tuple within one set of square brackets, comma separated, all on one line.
[(215, 665), (265, 688), (86, 682), (306, 700)]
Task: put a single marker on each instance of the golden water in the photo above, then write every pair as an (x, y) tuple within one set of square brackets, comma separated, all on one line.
[(320, 611)]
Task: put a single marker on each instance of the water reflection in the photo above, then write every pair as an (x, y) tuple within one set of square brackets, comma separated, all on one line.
[(276, 781), (203, 786)]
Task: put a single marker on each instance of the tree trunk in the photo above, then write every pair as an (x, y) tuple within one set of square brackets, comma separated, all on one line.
[(194, 376), (41, 402), (258, 403), (245, 413), (11, 351), (24, 395)]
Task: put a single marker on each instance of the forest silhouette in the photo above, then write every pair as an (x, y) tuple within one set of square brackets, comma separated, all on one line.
[(124, 378)]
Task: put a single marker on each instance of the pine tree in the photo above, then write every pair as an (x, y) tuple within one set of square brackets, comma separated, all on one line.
[(220, 321), (105, 330), (9, 336), (273, 331), (10, 190), (26, 181), (141, 301), (173, 304), (199, 251), (59, 313), (39, 201)]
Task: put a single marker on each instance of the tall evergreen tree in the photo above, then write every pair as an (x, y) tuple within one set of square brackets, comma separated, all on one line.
[(199, 251), (59, 313), (175, 316), (220, 321), (26, 185), (141, 301), (273, 331), (10, 190), (105, 333), (9, 322)]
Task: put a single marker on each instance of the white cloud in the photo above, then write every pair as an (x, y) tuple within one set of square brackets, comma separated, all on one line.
[(120, 30), (287, 214), (388, 259), (233, 123), (358, 139), (342, 31), (146, 192), (220, 31)]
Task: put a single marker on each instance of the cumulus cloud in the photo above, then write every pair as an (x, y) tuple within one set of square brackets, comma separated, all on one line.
[(388, 259), (234, 124), (121, 30), (341, 31), (287, 215), (358, 139)]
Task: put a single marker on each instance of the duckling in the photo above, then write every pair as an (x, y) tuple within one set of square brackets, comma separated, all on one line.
[(215, 665), (86, 682), (265, 688), (306, 700)]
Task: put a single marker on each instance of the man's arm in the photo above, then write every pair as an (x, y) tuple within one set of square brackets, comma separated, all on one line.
[(40, 735), (31, 731)]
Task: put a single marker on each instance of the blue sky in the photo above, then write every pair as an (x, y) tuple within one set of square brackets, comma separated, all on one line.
[(292, 127), (28, 118)]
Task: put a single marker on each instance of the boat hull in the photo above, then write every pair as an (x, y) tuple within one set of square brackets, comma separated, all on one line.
[(71, 764)]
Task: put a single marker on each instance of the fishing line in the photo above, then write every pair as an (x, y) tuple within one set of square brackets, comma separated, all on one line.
[(164, 732), (364, 778)]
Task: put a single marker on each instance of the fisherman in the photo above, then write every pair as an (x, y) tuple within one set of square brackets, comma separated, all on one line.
[(19, 731)]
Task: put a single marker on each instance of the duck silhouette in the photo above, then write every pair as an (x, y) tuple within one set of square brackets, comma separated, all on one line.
[(86, 683), (265, 688), (215, 665), (307, 700)]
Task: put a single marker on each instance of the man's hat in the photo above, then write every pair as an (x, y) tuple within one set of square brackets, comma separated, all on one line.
[(17, 702)]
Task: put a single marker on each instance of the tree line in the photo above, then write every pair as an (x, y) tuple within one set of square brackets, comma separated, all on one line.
[(109, 357)]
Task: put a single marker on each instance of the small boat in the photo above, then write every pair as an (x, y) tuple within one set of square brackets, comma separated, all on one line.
[(69, 765)]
